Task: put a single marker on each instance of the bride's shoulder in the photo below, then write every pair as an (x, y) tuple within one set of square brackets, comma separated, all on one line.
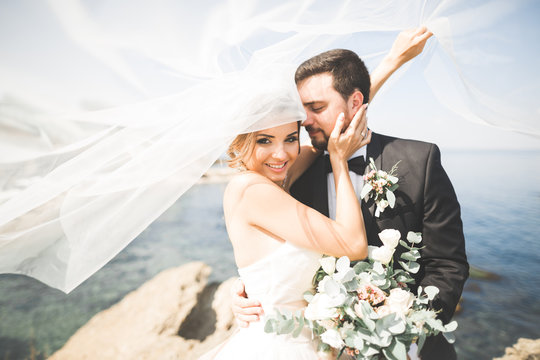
[(242, 181)]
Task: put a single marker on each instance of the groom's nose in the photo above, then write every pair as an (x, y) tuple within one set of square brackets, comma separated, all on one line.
[(309, 121)]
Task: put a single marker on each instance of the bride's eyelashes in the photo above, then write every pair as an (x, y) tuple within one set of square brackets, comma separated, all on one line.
[(263, 141), (292, 139)]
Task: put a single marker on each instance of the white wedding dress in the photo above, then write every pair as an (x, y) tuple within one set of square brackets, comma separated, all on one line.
[(278, 281)]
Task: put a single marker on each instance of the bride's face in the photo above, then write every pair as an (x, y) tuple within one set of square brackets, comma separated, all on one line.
[(275, 151)]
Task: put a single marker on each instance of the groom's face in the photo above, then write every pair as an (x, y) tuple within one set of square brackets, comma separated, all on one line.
[(323, 104)]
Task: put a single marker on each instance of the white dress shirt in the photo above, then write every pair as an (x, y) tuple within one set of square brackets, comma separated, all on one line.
[(357, 182)]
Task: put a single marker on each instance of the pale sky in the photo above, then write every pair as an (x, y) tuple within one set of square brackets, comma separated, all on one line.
[(30, 39)]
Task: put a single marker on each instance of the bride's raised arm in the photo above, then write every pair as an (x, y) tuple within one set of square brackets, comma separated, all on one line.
[(408, 45)]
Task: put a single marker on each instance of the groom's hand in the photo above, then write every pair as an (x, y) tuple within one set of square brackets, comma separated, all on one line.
[(244, 309)]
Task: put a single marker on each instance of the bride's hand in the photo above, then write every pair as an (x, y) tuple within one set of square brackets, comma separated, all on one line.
[(343, 144), (408, 44)]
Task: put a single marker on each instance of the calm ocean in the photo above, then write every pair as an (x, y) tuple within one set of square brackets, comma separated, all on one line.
[(499, 193)]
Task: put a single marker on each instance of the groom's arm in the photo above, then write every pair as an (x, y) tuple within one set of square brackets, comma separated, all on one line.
[(444, 259)]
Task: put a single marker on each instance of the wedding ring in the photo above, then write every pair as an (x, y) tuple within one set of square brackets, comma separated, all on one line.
[(363, 134)]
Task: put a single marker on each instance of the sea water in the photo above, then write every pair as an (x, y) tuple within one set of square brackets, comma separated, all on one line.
[(499, 192)]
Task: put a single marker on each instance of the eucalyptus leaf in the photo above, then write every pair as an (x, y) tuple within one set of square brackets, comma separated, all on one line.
[(411, 267), (361, 266), (404, 244), (365, 190), (435, 324), (450, 337), (370, 324), (331, 287), (451, 326), (421, 341), (269, 326), (393, 187), (397, 327), (358, 342), (391, 198), (396, 351), (408, 256), (414, 237), (393, 179), (378, 268), (431, 291), (415, 252), (298, 330), (285, 326)]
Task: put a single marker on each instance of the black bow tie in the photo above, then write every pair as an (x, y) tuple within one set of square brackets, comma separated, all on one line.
[(357, 164)]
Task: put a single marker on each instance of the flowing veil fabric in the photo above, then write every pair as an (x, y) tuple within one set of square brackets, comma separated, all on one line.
[(110, 111)]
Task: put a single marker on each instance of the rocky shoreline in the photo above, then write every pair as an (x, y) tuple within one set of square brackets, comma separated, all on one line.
[(175, 315), (179, 315)]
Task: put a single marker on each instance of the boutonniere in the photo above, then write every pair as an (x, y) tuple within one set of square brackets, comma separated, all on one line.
[(380, 185)]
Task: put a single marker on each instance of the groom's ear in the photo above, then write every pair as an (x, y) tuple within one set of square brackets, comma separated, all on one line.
[(355, 101)]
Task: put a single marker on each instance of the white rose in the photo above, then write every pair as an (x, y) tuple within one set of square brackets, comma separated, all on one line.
[(382, 173), (323, 307), (383, 204), (390, 237), (382, 254), (328, 264), (332, 338), (399, 301)]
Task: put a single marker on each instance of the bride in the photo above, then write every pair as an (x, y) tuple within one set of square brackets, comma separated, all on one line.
[(277, 240)]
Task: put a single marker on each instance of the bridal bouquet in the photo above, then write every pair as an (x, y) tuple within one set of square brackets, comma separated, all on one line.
[(367, 310)]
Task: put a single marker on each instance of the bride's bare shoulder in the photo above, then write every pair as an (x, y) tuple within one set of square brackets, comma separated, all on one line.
[(238, 185)]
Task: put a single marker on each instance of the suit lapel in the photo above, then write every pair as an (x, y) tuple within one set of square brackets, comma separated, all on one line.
[(320, 194)]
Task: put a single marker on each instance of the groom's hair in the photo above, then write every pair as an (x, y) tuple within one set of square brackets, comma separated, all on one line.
[(347, 69)]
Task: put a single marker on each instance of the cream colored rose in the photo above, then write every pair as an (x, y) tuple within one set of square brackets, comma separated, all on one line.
[(327, 324), (382, 254), (399, 301), (328, 264), (332, 338), (390, 237)]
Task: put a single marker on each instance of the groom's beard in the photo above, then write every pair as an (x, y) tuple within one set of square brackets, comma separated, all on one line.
[(318, 143)]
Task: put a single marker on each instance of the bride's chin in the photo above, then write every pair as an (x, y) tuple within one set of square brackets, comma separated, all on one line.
[(277, 178)]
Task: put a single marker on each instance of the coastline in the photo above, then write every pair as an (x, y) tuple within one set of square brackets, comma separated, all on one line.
[(179, 314)]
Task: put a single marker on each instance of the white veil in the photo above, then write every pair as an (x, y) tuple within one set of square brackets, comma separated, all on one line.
[(110, 111)]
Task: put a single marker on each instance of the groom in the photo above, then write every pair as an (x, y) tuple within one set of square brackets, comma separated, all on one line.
[(337, 81)]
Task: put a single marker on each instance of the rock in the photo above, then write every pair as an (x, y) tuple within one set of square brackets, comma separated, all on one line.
[(479, 274), (524, 349), (175, 315)]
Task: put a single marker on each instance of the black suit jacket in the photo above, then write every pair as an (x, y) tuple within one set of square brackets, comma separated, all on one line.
[(426, 203)]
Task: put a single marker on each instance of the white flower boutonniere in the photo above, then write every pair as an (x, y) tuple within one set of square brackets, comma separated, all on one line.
[(380, 185)]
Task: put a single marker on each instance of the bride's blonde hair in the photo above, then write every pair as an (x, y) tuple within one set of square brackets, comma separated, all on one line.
[(240, 149)]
